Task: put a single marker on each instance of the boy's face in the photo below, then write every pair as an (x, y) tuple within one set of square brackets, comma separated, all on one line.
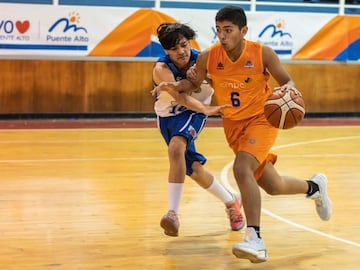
[(180, 53), (230, 35)]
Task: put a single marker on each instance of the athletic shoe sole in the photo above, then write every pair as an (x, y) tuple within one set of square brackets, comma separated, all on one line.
[(250, 255), (169, 228)]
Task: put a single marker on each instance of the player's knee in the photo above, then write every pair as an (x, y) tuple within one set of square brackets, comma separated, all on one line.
[(176, 152), (242, 175)]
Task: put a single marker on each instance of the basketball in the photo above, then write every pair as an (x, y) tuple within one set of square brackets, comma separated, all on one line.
[(284, 109)]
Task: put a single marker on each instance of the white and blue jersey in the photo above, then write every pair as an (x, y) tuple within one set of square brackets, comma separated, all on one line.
[(165, 105), (176, 120)]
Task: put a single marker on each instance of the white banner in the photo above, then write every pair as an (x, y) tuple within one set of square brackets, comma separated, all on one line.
[(84, 31), (50, 30), (283, 31)]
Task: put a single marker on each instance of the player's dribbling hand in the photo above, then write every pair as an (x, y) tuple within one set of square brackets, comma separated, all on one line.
[(288, 87)]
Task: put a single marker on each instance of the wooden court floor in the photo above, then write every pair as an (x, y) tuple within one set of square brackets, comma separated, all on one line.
[(92, 198)]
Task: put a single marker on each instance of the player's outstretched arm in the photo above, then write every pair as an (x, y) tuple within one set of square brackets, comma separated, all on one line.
[(183, 86), (196, 105)]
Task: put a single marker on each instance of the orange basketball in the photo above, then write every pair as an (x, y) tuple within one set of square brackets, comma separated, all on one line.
[(284, 109)]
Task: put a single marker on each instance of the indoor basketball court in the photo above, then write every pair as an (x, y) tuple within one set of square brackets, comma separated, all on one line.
[(90, 195)]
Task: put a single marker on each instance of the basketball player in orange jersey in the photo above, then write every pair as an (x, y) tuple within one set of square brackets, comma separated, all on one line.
[(239, 70)]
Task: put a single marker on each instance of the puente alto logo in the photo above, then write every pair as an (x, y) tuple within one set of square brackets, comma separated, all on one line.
[(274, 35), (68, 24), (274, 32)]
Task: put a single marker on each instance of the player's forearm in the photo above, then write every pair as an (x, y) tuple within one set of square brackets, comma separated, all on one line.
[(184, 86), (197, 106), (187, 101), (174, 88), (193, 104)]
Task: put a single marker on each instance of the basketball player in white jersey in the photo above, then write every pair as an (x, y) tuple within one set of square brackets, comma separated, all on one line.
[(181, 126)]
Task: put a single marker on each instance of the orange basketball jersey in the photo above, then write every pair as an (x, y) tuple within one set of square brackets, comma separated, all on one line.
[(242, 84)]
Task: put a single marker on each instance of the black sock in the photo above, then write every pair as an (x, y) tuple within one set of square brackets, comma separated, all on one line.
[(257, 230), (312, 187)]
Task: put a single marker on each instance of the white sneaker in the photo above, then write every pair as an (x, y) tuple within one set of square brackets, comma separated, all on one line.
[(253, 247), (322, 201)]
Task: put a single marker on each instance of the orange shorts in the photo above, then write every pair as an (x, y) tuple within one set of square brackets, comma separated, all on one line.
[(254, 136)]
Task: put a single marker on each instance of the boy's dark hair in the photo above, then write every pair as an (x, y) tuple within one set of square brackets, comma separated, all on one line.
[(233, 14), (169, 34)]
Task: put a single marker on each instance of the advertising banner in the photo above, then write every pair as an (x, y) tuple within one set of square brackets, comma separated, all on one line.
[(131, 32)]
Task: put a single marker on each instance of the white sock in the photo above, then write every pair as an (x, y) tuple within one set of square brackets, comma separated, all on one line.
[(220, 192), (174, 192)]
